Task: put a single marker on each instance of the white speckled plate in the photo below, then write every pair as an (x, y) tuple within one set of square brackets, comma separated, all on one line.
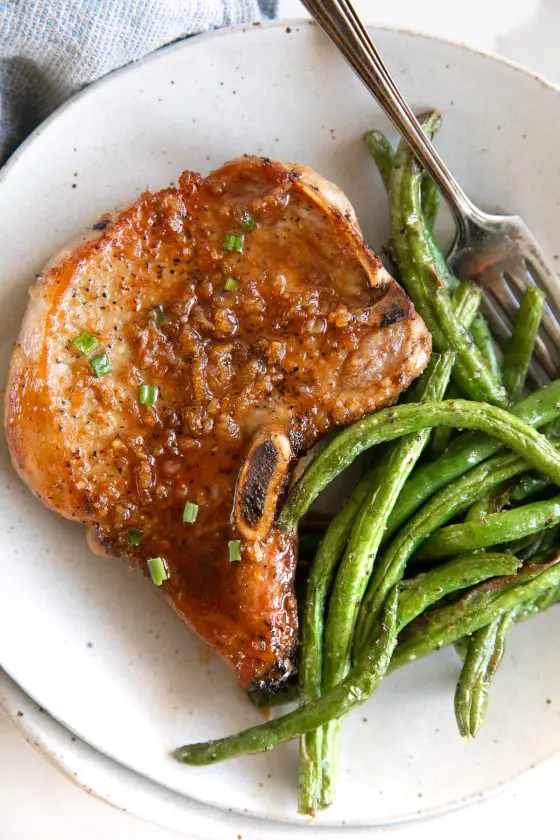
[(93, 644)]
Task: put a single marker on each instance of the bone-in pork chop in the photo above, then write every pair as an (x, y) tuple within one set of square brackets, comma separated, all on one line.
[(176, 363)]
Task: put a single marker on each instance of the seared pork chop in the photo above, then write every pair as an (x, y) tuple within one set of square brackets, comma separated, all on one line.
[(249, 300)]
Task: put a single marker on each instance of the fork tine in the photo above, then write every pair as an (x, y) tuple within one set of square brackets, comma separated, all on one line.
[(543, 367), (537, 376), (498, 304), (497, 290), (504, 293), (544, 358), (500, 329), (550, 331), (545, 277)]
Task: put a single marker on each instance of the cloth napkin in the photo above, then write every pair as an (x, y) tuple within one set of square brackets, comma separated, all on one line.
[(49, 49)]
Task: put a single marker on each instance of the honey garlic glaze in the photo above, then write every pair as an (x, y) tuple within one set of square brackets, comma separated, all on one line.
[(249, 305)]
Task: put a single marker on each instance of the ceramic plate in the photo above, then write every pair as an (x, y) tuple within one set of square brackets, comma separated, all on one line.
[(94, 644)]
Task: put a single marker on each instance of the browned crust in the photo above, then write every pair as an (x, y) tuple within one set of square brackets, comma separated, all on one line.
[(28, 368)]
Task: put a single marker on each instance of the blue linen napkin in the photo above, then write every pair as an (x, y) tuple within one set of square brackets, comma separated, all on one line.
[(49, 49)]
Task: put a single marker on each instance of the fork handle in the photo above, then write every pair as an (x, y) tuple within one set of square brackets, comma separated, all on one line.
[(338, 19)]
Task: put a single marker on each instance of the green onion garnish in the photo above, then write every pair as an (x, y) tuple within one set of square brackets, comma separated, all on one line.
[(246, 221), (157, 314), (148, 394), (159, 570), (234, 242), (134, 536), (85, 343), (234, 549), (101, 365), (190, 512), (231, 284)]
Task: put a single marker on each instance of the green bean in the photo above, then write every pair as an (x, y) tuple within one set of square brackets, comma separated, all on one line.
[(484, 649), (424, 590), (356, 565), (441, 435), (521, 346), (552, 429), (547, 599), (480, 509), (479, 607), (466, 451), (431, 123), (526, 547), (428, 633), (461, 647), (359, 557), (549, 539), (466, 300), (419, 272), (354, 690), (381, 151), (538, 604), (430, 205), (310, 662), (449, 502), (481, 692), (496, 529), (491, 502), (391, 423), (529, 485), (399, 242), (384, 157), (431, 197), (484, 654), (473, 673), (482, 337)]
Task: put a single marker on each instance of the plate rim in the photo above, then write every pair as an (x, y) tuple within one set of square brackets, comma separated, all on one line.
[(36, 735), (62, 749), (224, 31)]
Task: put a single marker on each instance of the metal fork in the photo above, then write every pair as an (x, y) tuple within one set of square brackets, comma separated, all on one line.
[(498, 252)]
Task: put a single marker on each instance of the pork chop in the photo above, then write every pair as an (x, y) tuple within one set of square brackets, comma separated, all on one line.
[(189, 351)]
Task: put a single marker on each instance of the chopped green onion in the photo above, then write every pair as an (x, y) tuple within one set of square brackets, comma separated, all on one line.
[(157, 314), (134, 536), (190, 512), (148, 394), (246, 221), (234, 549), (234, 242), (85, 343), (159, 570), (231, 284), (101, 365)]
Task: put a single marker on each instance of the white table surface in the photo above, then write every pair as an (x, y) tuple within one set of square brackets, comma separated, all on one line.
[(36, 801)]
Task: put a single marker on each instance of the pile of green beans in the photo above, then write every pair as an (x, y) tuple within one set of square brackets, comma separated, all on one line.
[(430, 632), (357, 563), (448, 544)]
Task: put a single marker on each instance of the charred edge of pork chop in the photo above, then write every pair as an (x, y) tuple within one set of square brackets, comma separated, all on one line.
[(271, 682), (265, 470)]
